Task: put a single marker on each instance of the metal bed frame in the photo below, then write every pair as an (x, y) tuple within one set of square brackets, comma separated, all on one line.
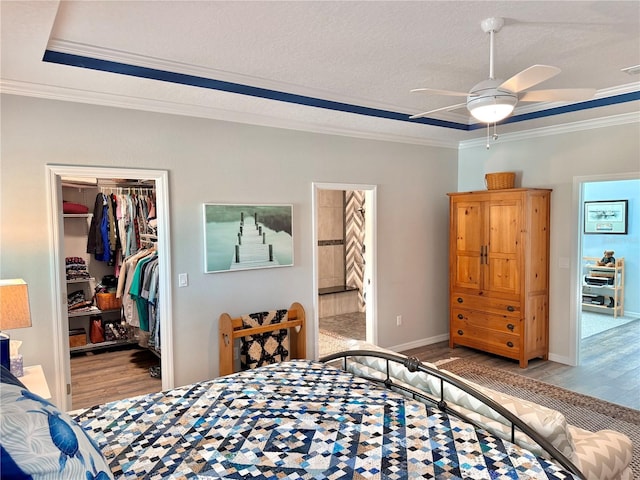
[(412, 364)]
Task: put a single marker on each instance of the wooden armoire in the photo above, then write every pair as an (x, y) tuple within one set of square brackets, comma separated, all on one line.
[(499, 272)]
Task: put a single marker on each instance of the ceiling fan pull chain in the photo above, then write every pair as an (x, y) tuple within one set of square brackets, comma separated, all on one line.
[(488, 137)]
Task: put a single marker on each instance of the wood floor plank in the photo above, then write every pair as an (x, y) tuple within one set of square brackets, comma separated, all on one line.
[(107, 375)]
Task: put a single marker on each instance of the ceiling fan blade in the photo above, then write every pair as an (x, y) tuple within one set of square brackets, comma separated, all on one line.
[(559, 95), (435, 91), (450, 107), (529, 77)]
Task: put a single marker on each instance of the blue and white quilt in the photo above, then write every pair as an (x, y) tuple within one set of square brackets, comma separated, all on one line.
[(298, 420)]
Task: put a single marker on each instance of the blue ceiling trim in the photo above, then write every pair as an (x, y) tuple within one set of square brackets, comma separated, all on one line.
[(196, 81)]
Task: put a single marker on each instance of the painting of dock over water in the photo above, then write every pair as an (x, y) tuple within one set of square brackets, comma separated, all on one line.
[(244, 237)]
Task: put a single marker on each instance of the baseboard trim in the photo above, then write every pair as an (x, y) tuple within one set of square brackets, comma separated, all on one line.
[(561, 359), (419, 343)]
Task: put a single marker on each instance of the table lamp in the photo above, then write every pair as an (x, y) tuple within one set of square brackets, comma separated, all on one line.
[(14, 312)]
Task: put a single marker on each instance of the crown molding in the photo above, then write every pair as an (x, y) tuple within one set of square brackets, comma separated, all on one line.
[(52, 92), (614, 120)]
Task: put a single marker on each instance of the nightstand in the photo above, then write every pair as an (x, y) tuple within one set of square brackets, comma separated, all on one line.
[(35, 381)]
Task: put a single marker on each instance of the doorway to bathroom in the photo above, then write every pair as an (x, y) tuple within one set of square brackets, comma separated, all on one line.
[(344, 265)]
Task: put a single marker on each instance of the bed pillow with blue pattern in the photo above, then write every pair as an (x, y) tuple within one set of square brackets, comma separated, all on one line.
[(38, 441)]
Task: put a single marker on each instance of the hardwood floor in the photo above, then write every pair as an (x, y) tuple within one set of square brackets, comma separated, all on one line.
[(106, 375), (609, 369)]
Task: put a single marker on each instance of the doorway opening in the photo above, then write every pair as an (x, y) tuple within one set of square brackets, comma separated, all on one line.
[(344, 265), (604, 316), (63, 321)]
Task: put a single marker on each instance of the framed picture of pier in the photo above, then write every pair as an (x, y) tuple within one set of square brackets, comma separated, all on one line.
[(608, 216), (245, 237)]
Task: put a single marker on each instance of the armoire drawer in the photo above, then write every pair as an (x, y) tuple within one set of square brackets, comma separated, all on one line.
[(486, 320), (498, 306), (464, 333)]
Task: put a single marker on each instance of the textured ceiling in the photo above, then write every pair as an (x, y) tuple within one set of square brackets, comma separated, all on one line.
[(366, 54)]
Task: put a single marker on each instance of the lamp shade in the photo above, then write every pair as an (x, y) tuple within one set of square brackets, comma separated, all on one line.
[(14, 304)]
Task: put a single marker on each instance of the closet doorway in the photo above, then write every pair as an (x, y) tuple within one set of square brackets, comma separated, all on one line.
[(61, 321)]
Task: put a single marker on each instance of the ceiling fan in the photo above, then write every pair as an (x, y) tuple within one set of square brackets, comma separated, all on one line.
[(494, 99)]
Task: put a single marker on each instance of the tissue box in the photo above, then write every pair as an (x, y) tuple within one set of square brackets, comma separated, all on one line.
[(77, 337), (16, 366)]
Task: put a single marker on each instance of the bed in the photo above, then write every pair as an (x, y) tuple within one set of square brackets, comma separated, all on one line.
[(296, 419)]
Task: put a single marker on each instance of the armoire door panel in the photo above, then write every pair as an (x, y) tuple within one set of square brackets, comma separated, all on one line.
[(503, 246), (503, 276), (467, 271), (468, 237), (504, 228)]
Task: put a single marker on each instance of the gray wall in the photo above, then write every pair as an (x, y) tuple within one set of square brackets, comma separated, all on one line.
[(552, 162), (213, 161)]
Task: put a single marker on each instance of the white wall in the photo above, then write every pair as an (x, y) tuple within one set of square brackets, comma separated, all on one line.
[(213, 161), (552, 161)]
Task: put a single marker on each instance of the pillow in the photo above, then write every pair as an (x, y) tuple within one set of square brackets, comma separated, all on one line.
[(549, 423), (38, 441), (9, 378)]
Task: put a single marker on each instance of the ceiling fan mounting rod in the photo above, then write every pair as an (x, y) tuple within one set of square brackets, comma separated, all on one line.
[(491, 75), (491, 26)]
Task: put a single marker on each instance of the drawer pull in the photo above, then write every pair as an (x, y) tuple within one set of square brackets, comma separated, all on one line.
[(511, 309), (460, 332), (511, 326), (460, 300), (460, 316), (510, 344)]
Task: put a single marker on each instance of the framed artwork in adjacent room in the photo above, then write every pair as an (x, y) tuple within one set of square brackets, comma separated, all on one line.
[(245, 237), (606, 216)]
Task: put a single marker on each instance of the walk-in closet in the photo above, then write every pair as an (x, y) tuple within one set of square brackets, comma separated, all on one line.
[(112, 288)]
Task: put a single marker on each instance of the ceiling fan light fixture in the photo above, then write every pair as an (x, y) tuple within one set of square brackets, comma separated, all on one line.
[(492, 108)]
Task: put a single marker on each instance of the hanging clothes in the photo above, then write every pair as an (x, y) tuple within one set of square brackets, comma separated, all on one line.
[(122, 234), (138, 287), (95, 242), (119, 221)]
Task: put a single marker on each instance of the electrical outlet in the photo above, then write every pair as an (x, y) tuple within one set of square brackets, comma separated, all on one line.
[(399, 320)]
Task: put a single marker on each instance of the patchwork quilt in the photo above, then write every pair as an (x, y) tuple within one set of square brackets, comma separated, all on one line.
[(298, 420)]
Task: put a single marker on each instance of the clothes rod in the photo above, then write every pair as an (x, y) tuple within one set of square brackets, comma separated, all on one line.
[(126, 183)]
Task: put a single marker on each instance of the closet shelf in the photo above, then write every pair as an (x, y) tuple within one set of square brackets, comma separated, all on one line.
[(91, 311), (77, 215), (82, 280), (107, 344)]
